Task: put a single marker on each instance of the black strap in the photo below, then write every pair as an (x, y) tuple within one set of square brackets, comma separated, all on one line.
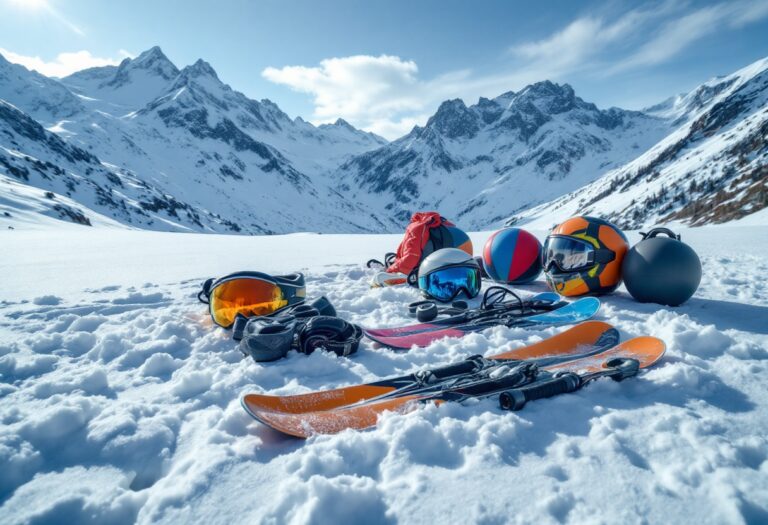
[(308, 339), (204, 295), (497, 297), (656, 231), (389, 260), (348, 346)]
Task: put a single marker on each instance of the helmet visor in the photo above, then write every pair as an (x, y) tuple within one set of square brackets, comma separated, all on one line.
[(567, 254), (248, 296), (445, 284)]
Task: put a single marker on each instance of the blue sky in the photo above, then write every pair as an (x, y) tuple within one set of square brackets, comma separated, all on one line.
[(386, 66)]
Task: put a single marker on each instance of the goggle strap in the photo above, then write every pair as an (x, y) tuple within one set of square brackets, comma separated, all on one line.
[(204, 295), (603, 256), (467, 264), (495, 296)]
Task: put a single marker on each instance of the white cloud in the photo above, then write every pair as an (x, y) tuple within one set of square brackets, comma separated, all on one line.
[(64, 64), (582, 43), (679, 33), (384, 94), (370, 91)]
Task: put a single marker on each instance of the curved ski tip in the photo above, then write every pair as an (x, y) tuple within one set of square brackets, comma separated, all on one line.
[(546, 296), (245, 406), (646, 348), (653, 345), (594, 324), (592, 301)]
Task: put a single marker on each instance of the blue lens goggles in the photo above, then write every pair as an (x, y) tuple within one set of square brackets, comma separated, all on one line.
[(447, 283)]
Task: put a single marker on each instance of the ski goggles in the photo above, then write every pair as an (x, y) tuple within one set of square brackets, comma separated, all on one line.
[(445, 284), (570, 254), (250, 294)]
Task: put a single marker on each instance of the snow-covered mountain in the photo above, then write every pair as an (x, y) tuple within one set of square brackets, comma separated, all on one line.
[(482, 163), (194, 139), (712, 168), (43, 98), (131, 85), (41, 174), (178, 149)]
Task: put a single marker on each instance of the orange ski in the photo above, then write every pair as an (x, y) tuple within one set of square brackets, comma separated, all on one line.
[(645, 350), (590, 336)]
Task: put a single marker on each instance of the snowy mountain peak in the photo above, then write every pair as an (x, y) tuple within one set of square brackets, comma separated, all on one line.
[(501, 154), (152, 54), (153, 60), (686, 106), (547, 88), (199, 69), (454, 120), (151, 63), (43, 98), (343, 123), (201, 78), (504, 98), (548, 97), (127, 87), (710, 168)]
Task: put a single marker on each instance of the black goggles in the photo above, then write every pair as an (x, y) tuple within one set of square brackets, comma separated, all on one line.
[(570, 254)]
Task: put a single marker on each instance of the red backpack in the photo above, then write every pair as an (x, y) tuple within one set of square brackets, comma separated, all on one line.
[(417, 236), (426, 233)]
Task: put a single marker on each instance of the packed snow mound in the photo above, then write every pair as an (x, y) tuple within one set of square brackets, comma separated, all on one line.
[(120, 398)]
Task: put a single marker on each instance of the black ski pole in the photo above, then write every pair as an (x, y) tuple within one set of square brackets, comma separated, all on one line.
[(617, 369)]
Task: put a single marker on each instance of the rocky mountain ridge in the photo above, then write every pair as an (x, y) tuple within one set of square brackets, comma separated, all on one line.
[(178, 149)]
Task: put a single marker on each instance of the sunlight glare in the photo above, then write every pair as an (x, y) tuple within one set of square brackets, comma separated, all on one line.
[(31, 5)]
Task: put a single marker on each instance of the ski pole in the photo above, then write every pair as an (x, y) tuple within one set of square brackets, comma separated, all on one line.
[(617, 369)]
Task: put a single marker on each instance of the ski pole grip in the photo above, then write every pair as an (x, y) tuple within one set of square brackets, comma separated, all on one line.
[(516, 399), (464, 367), (468, 366)]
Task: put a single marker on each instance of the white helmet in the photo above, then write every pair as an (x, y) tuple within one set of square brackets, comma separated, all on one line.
[(448, 272)]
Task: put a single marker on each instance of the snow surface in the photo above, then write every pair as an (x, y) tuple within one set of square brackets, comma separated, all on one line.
[(120, 399)]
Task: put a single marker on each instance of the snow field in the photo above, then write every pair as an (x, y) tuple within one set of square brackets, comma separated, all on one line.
[(120, 398)]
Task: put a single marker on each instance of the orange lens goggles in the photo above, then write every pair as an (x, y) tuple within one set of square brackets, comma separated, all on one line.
[(247, 297), (250, 294)]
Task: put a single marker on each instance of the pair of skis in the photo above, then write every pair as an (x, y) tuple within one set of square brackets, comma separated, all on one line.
[(562, 363), (542, 310)]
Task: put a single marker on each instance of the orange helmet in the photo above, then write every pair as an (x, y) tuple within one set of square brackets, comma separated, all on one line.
[(583, 256)]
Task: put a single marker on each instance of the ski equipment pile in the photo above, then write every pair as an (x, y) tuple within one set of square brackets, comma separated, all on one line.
[(502, 377), (586, 338)]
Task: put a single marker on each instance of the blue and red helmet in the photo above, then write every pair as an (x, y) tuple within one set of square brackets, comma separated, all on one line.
[(512, 256)]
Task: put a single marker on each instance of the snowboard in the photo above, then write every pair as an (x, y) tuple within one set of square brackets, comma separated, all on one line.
[(571, 313), (584, 339), (534, 303), (645, 351)]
